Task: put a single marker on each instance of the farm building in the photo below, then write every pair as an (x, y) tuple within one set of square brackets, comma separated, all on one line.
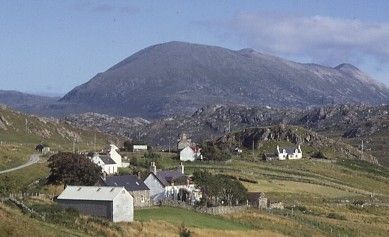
[(113, 203), (190, 154), (134, 186), (136, 148)]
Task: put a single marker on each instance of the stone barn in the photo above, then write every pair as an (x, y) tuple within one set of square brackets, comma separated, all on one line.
[(113, 203), (134, 186)]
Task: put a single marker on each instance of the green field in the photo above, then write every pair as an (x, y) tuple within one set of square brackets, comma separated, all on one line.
[(189, 218)]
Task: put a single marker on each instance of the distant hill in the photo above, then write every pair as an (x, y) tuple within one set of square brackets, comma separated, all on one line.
[(26, 102), (178, 77), (19, 128)]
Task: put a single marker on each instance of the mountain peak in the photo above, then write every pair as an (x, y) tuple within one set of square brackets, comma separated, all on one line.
[(346, 66)]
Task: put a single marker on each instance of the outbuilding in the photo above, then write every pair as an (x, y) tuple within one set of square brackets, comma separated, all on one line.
[(113, 203)]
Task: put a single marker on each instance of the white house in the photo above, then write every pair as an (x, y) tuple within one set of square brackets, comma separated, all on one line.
[(136, 148), (113, 203), (171, 184), (289, 153), (108, 166), (114, 155), (190, 154)]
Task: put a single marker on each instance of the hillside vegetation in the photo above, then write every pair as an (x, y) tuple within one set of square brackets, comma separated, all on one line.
[(20, 133)]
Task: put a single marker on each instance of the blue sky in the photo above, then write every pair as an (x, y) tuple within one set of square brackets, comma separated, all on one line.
[(53, 46)]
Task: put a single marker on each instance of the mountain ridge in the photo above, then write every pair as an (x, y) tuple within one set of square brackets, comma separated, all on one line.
[(172, 77)]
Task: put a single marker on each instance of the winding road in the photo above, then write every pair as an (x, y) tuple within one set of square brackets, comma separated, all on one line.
[(33, 159)]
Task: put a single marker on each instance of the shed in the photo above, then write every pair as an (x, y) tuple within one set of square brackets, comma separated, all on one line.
[(113, 203)]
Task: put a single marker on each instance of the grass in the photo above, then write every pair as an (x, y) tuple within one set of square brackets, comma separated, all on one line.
[(190, 218)]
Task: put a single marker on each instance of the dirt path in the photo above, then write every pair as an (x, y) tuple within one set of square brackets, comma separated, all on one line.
[(33, 159)]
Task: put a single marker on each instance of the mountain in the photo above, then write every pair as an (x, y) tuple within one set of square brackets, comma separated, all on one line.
[(26, 102), (178, 77)]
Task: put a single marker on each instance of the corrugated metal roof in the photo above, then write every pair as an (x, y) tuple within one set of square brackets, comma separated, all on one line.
[(90, 193)]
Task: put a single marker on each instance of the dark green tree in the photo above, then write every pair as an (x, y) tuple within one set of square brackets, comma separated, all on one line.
[(219, 189), (72, 169)]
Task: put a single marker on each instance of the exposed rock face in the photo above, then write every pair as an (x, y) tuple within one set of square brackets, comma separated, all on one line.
[(179, 77), (3, 123), (295, 135)]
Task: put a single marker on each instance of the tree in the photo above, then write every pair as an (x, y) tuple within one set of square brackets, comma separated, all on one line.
[(219, 189), (72, 169), (211, 152)]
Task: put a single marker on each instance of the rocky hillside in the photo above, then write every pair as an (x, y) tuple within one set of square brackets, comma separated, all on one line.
[(349, 123), (178, 77), (265, 139), (16, 127)]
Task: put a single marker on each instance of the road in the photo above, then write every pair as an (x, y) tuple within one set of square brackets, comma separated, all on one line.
[(33, 159)]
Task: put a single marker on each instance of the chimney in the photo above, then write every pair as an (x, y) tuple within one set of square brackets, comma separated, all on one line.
[(138, 174), (181, 168), (153, 168)]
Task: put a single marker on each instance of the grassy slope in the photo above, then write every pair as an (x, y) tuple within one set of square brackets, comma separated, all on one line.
[(18, 141)]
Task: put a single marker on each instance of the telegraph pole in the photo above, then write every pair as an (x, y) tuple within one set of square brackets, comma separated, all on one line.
[(94, 143), (253, 147), (362, 148), (170, 134)]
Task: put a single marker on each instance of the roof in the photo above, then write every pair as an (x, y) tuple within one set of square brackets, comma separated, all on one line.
[(253, 196), (289, 150), (129, 182), (90, 193), (167, 176), (107, 160)]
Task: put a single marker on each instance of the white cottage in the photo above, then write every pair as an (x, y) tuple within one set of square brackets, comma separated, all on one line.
[(113, 203), (171, 184), (190, 154), (108, 166), (114, 155), (289, 153)]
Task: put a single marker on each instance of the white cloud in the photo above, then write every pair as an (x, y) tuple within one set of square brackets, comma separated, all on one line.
[(323, 39)]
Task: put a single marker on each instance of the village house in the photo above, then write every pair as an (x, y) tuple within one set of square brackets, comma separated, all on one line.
[(113, 203), (191, 154), (171, 185), (114, 155), (108, 166), (134, 186), (289, 153)]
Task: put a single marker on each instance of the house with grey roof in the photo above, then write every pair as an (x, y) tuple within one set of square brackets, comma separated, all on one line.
[(135, 186), (113, 203), (171, 185), (107, 164), (292, 153)]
